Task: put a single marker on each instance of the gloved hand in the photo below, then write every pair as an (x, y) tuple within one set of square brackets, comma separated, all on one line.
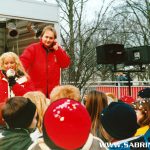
[(11, 80), (11, 76)]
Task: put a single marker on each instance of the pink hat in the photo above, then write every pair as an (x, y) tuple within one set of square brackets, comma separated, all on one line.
[(66, 124), (127, 99)]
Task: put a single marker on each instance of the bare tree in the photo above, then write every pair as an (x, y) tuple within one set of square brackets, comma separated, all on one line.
[(135, 26), (78, 38)]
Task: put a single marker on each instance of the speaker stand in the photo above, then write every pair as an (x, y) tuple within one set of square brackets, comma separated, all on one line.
[(128, 72)]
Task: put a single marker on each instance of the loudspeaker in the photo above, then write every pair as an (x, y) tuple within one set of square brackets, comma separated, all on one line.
[(137, 55), (110, 54), (12, 29)]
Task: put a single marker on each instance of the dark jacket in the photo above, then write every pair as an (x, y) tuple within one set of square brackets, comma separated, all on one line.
[(133, 143), (16, 139)]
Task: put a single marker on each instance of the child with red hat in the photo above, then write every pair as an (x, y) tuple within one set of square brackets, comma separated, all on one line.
[(67, 125)]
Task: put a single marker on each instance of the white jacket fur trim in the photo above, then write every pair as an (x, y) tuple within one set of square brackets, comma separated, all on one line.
[(22, 80)]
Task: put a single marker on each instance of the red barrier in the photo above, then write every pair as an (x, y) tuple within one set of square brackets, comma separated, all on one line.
[(120, 91)]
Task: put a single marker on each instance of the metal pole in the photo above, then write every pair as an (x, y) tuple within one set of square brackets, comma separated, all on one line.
[(129, 83), (119, 88)]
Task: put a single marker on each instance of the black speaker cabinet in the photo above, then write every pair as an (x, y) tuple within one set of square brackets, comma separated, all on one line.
[(110, 54), (137, 55)]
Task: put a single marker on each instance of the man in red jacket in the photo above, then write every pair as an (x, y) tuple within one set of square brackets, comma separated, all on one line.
[(44, 60)]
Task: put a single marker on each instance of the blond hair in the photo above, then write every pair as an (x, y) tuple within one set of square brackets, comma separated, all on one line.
[(19, 66), (65, 91), (39, 99), (112, 95)]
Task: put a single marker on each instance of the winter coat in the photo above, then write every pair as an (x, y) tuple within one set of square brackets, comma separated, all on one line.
[(15, 139), (43, 66), (142, 130), (133, 143), (22, 86), (92, 143)]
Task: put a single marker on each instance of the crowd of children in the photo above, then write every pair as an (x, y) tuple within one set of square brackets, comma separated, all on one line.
[(33, 122)]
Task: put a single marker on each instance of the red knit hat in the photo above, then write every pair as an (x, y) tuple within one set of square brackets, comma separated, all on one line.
[(127, 99), (66, 124)]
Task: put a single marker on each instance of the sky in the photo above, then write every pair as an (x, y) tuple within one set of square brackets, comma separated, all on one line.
[(50, 1), (92, 5)]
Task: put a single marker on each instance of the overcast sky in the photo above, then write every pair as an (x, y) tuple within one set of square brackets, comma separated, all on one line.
[(91, 5)]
